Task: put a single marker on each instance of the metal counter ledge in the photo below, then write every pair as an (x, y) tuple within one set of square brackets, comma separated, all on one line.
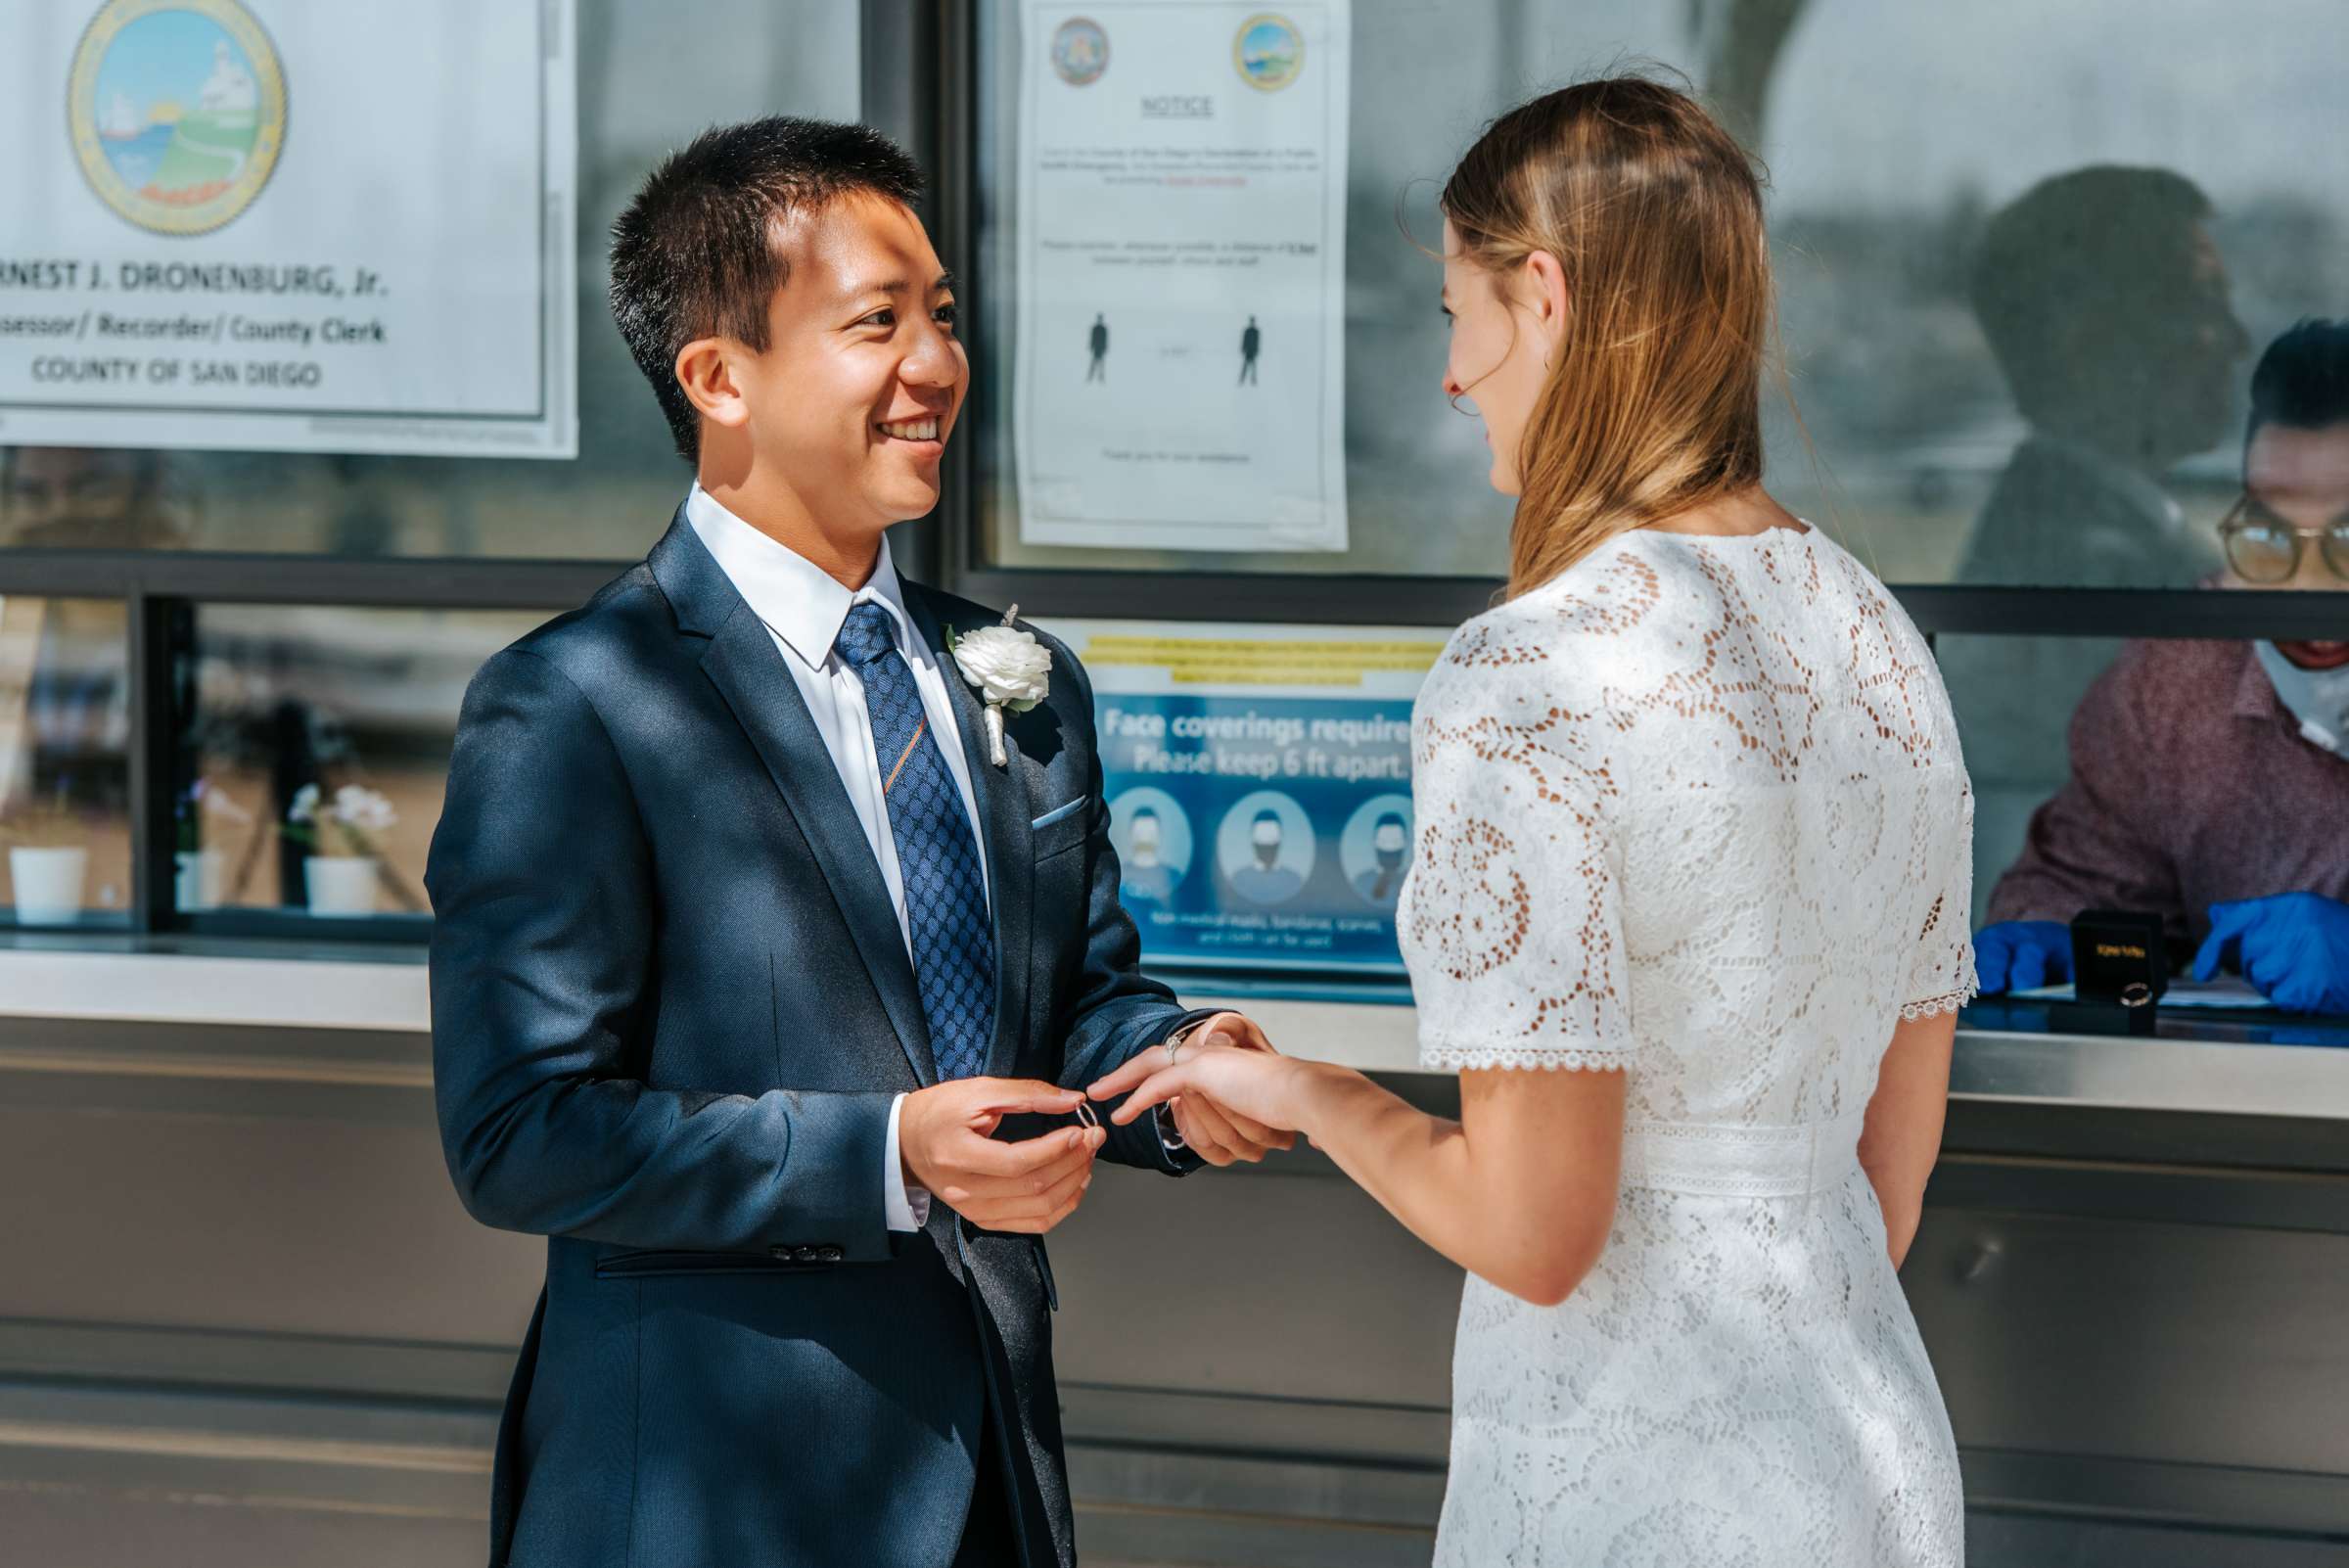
[(2128, 1276), (2199, 1063)]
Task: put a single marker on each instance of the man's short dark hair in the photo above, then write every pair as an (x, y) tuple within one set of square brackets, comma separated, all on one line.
[(2302, 381), (2106, 245), (694, 254)]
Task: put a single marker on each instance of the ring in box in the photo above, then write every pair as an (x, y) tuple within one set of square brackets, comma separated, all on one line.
[(2120, 969)]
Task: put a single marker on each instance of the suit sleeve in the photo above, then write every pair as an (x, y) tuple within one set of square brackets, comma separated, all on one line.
[(543, 986), (1114, 1010)]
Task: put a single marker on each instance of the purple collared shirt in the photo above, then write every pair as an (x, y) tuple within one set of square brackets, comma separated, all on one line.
[(2190, 786)]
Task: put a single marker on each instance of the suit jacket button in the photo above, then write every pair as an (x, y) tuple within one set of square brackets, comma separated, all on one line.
[(828, 1252), (803, 1255), (779, 1254)]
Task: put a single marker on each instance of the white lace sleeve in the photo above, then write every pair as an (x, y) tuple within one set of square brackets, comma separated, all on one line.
[(1512, 915), (1941, 975)]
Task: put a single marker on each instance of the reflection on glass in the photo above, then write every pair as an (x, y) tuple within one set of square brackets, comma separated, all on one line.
[(314, 751), (2207, 781), (2076, 356), (81, 499), (65, 770), (2105, 301), (639, 99), (2013, 703)]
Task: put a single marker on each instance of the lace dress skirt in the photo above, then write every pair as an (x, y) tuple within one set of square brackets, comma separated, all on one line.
[(1738, 1383)]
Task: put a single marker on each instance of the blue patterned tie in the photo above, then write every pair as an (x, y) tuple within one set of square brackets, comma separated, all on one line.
[(938, 855)]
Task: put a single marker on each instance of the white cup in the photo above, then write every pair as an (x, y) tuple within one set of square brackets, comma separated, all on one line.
[(197, 884), (48, 883), (340, 884)]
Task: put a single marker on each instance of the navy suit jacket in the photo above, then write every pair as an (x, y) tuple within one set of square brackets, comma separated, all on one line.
[(671, 1006)]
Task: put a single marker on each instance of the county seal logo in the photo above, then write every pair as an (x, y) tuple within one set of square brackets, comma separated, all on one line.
[(177, 110), (1080, 51), (1268, 51)]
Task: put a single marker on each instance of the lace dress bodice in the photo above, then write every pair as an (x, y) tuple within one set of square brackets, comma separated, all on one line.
[(1696, 811)]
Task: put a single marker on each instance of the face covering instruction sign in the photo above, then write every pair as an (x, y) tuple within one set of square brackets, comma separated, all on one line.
[(283, 226), (1258, 782), (1179, 361)]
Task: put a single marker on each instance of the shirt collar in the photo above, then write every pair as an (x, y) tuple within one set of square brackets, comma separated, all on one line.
[(800, 601)]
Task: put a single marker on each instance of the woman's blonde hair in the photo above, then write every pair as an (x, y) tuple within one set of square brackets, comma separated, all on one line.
[(1653, 401)]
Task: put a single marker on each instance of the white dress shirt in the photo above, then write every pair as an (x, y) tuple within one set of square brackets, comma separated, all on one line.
[(803, 608)]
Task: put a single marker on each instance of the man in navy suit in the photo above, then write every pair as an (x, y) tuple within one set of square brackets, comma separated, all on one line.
[(756, 978)]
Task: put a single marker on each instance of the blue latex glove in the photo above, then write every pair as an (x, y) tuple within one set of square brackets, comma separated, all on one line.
[(2018, 954), (2294, 947)]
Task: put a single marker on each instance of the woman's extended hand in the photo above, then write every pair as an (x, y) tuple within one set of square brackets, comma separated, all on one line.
[(1257, 1085)]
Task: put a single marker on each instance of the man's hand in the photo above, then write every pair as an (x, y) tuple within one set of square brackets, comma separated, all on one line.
[(2294, 947), (945, 1141), (1216, 1133), (2022, 955)]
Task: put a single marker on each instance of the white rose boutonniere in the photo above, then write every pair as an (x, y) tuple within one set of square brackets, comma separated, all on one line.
[(1009, 667)]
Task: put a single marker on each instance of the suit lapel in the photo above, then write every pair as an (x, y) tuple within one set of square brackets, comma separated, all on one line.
[(743, 662), (748, 669), (1003, 812)]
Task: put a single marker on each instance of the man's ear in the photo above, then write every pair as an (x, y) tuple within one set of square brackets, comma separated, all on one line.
[(706, 370)]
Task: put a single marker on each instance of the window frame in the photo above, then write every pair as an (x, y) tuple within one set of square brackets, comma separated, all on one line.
[(918, 83), (945, 138)]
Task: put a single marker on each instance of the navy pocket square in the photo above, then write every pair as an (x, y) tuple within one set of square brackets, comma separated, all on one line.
[(1065, 809)]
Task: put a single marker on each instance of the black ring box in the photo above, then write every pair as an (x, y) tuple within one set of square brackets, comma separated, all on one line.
[(2120, 968)]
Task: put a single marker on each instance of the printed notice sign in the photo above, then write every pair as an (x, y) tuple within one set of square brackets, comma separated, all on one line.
[(1259, 781), (1179, 359), (285, 226)]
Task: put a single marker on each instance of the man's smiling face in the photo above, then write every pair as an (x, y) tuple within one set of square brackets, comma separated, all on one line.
[(857, 391)]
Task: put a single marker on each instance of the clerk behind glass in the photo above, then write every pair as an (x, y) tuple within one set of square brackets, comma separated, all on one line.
[(2210, 780)]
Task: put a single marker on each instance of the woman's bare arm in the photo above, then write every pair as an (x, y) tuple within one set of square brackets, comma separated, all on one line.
[(1902, 1135), (1519, 1191)]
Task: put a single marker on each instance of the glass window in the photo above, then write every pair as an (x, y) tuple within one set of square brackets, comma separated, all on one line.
[(64, 760), (2159, 776), (2013, 698), (2025, 262), (314, 752), (639, 95), (1259, 783)]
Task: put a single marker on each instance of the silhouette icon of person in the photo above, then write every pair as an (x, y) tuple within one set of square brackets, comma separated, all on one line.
[(1250, 341), (1146, 874), (1390, 842), (1097, 370), (1266, 880)]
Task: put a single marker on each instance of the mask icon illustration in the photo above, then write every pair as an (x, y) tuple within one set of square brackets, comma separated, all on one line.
[(1381, 882), (1267, 848), (1266, 836)]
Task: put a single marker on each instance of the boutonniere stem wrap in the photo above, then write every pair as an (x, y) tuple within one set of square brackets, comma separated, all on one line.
[(1010, 668)]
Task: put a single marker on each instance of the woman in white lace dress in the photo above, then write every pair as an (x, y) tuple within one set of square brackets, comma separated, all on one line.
[(1692, 828)]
